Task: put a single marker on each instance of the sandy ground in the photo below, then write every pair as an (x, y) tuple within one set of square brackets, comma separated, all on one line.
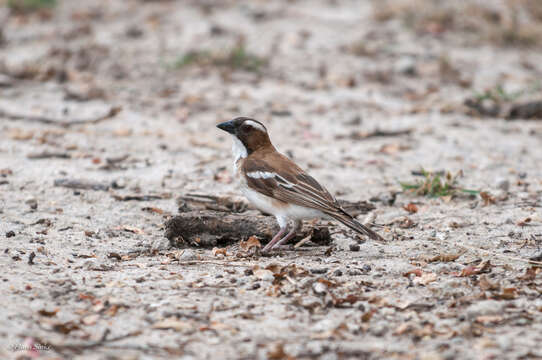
[(90, 276)]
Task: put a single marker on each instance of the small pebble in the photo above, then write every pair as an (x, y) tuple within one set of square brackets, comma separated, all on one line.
[(319, 271), (31, 258), (119, 184), (338, 272), (503, 184), (188, 255), (311, 302), (248, 272), (33, 203), (379, 329), (319, 288), (406, 65), (354, 247), (354, 272), (265, 275)]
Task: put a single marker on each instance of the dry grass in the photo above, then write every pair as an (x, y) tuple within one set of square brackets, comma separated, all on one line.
[(437, 185), (26, 6), (236, 58)]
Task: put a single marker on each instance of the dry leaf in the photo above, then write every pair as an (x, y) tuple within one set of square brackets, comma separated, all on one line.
[(219, 251), (91, 319), (123, 132), (489, 319), (65, 328), (351, 299), (411, 208), (445, 258), (530, 273), (426, 278), (507, 294), (216, 325), (487, 198), (446, 198), (417, 272), (403, 328), (252, 242), (456, 225), (112, 311), (366, 317), (86, 297), (485, 284), (274, 268), (276, 352), (391, 149), (475, 270), (46, 313), (153, 210), (131, 229), (327, 283), (18, 134), (174, 324)]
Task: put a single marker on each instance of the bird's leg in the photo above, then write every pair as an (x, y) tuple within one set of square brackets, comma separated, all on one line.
[(297, 226), (275, 239)]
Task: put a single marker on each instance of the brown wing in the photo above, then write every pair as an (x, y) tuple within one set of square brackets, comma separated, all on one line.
[(287, 182)]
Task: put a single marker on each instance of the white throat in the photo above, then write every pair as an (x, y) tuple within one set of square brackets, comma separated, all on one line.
[(239, 150)]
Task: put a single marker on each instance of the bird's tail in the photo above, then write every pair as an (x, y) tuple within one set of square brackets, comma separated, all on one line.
[(353, 224)]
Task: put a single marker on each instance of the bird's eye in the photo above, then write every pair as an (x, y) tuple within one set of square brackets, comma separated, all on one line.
[(245, 129)]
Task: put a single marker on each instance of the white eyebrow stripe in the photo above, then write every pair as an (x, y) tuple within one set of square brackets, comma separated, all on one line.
[(255, 125), (261, 174)]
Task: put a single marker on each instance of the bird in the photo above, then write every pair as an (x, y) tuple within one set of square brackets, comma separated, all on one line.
[(275, 185)]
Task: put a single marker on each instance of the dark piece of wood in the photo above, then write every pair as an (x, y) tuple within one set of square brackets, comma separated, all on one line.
[(207, 228), (235, 204), (112, 112), (81, 184), (530, 110), (191, 202), (208, 220)]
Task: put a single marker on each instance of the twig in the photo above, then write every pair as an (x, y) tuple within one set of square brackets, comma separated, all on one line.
[(81, 184), (303, 241), (214, 263), (514, 258), (292, 281), (48, 155), (78, 347), (360, 135), (55, 121)]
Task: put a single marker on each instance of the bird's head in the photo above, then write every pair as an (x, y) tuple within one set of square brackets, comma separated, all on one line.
[(250, 133)]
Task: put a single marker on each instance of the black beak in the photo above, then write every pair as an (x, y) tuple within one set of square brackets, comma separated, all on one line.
[(227, 126)]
